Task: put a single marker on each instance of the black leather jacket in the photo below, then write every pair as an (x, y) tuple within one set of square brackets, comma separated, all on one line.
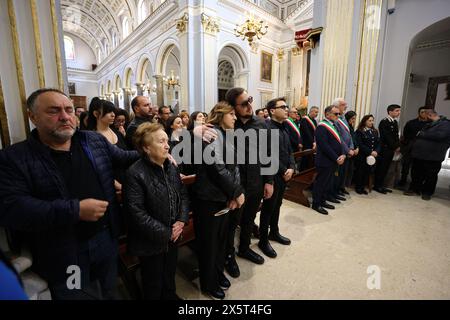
[(154, 198), (219, 181)]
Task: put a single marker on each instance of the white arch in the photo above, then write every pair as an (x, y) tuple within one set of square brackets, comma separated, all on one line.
[(161, 57), (127, 77), (141, 64), (240, 52), (117, 77)]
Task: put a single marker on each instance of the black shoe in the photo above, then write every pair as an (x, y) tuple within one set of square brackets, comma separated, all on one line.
[(387, 190), (267, 249), (252, 256), (328, 206), (276, 236), (344, 191), (255, 231), (333, 200), (232, 267), (380, 190), (216, 294), (410, 193), (426, 197), (340, 198), (224, 283), (320, 210)]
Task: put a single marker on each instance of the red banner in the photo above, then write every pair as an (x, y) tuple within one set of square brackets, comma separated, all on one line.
[(300, 36)]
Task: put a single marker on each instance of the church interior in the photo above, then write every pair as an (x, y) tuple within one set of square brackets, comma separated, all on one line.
[(186, 54)]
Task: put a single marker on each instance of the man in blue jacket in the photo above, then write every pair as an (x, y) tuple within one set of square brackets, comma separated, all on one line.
[(330, 154), (57, 190)]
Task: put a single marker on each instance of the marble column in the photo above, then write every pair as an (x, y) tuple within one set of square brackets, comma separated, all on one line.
[(126, 99), (159, 90)]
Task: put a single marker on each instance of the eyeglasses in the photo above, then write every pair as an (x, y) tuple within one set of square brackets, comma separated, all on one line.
[(282, 107), (246, 102), (337, 114)]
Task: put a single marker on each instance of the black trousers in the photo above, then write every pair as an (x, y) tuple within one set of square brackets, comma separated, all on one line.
[(384, 160), (97, 260), (270, 211), (212, 236), (406, 166), (339, 178), (245, 217), (248, 214), (322, 184), (158, 274), (362, 174), (424, 175)]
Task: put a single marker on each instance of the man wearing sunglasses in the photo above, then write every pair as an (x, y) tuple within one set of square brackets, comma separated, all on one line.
[(270, 211), (255, 185), (330, 154)]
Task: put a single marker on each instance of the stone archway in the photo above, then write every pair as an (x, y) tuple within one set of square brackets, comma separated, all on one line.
[(232, 69)]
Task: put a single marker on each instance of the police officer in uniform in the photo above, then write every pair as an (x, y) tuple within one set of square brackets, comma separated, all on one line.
[(390, 144)]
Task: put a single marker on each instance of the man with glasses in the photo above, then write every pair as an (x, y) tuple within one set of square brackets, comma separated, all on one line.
[(293, 130), (255, 185), (270, 211), (330, 154), (142, 108), (410, 131), (164, 114), (57, 190)]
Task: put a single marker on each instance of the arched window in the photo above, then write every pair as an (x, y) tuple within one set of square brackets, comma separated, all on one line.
[(114, 39), (142, 10), (125, 27), (69, 48)]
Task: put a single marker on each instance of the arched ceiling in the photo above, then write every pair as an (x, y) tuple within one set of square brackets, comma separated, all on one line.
[(94, 21)]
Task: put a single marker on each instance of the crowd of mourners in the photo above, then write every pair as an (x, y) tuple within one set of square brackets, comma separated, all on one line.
[(83, 179)]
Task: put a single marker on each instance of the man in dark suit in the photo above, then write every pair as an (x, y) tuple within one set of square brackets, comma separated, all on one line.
[(390, 144), (308, 125), (330, 154), (270, 211), (410, 132)]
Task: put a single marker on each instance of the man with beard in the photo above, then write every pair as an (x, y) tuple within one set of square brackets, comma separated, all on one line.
[(57, 190), (142, 108), (256, 186)]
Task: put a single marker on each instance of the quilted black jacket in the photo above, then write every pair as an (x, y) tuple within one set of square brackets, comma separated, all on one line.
[(35, 201), (154, 198), (218, 181)]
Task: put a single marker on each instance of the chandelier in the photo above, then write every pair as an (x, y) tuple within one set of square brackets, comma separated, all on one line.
[(149, 87), (172, 81), (250, 29)]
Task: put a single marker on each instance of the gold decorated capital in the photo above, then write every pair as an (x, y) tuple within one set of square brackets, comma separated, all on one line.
[(210, 24), (182, 23)]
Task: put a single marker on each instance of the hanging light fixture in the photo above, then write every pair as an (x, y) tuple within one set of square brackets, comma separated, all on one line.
[(251, 29), (172, 81)]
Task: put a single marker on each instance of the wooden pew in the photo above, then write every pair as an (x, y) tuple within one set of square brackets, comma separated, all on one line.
[(302, 180)]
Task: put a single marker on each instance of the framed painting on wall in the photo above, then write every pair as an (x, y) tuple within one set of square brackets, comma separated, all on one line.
[(266, 66), (71, 86)]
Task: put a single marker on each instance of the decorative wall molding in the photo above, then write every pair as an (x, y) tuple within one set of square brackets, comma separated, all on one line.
[(433, 44), (182, 23), (210, 24)]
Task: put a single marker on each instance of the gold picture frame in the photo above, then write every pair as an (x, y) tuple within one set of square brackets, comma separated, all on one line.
[(266, 66)]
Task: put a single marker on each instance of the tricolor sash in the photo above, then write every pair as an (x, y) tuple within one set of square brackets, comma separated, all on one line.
[(345, 126), (294, 126), (331, 129), (310, 122)]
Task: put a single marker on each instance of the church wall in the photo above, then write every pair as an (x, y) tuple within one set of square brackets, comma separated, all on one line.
[(84, 56)]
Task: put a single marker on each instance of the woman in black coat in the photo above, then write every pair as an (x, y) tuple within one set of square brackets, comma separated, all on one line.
[(368, 141), (218, 192), (157, 205)]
